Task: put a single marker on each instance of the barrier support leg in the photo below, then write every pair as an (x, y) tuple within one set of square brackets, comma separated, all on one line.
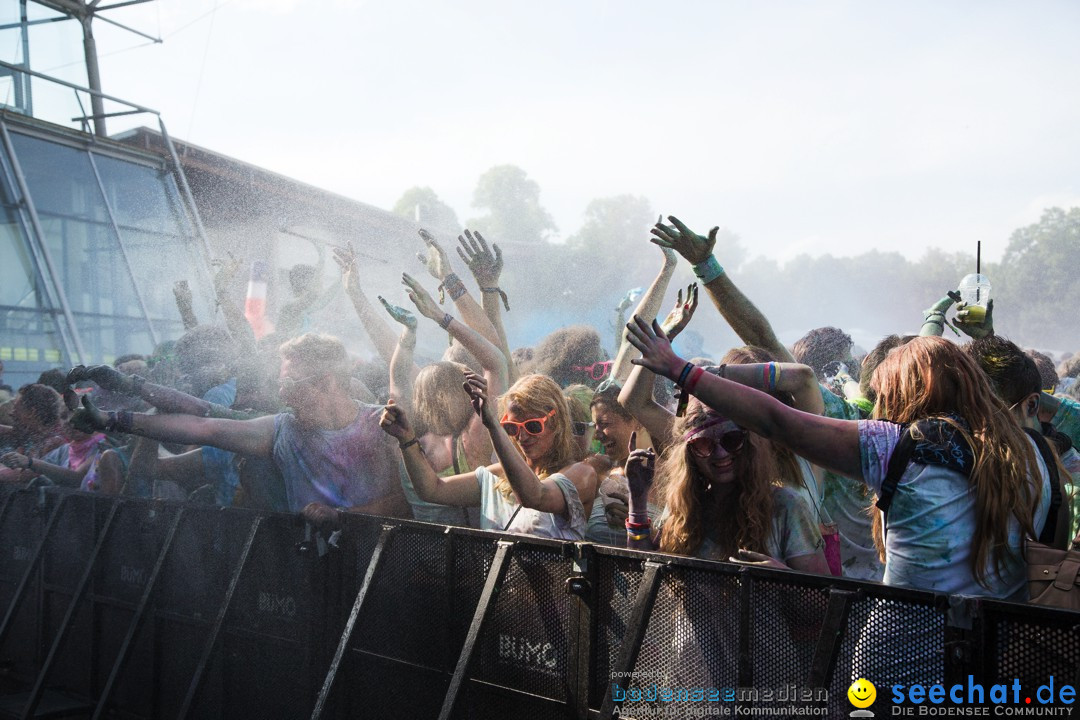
[(31, 568), (492, 585), (136, 620), (350, 624), (832, 635), (635, 631), (69, 615), (215, 630)]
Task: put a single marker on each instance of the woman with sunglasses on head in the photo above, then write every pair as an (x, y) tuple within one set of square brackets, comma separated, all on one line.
[(721, 498), (538, 487)]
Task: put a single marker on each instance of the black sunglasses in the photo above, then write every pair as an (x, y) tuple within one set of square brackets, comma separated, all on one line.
[(733, 442)]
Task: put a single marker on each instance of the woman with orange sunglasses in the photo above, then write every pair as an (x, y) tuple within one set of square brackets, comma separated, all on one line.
[(539, 486)]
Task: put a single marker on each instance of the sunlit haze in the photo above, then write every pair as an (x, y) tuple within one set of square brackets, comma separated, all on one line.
[(826, 127)]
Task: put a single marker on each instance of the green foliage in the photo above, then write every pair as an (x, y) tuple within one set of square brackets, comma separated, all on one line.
[(424, 206), (512, 202), (1037, 294)]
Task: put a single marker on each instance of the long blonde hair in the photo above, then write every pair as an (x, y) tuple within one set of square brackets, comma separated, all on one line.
[(537, 395), (746, 520), (931, 377)]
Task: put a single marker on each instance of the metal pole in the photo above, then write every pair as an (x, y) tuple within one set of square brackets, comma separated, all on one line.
[(31, 211), (93, 74), (185, 187), (73, 86)]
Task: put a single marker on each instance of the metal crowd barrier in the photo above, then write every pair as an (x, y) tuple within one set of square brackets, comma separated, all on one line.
[(126, 608)]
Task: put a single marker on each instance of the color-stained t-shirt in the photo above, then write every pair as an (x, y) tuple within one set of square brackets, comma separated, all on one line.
[(353, 466), (847, 502), (794, 531), (931, 522), (496, 510)]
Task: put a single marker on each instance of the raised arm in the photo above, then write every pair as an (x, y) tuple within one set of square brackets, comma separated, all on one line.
[(486, 267), (232, 312), (438, 264), (462, 490), (182, 293), (490, 357), (165, 399), (742, 315), (382, 337), (647, 308), (799, 380), (402, 367), (247, 437), (637, 395), (832, 444), (934, 318)]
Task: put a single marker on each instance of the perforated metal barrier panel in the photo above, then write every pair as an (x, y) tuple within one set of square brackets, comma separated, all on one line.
[(139, 609)]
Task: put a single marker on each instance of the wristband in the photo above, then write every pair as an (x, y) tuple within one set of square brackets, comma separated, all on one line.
[(506, 302), (405, 445), (631, 536), (29, 463), (693, 381), (445, 322), (637, 526), (454, 286), (685, 371), (708, 270), (123, 421)]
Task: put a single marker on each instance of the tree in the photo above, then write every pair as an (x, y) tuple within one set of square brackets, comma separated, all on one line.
[(1035, 290), (424, 206), (512, 202)]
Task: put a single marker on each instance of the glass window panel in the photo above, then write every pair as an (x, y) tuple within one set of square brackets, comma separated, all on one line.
[(30, 343), (157, 262), (90, 267), (142, 197), (60, 178), (18, 283)]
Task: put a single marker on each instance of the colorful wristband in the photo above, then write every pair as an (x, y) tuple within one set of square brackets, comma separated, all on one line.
[(685, 371), (708, 270), (692, 382)]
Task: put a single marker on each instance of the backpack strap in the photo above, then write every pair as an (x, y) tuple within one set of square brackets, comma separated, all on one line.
[(898, 462), (1046, 537)]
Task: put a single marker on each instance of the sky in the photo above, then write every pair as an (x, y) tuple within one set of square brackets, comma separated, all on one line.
[(804, 127)]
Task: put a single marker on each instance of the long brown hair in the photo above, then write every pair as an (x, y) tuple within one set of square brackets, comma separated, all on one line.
[(931, 377), (743, 522)]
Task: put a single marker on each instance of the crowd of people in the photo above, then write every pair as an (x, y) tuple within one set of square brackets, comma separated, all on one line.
[(924, 463)]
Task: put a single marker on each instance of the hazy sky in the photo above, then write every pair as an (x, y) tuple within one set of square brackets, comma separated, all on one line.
[(804, 127)]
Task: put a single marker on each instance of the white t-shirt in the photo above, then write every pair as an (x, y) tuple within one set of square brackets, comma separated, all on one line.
[(932, 522), (496, 510)]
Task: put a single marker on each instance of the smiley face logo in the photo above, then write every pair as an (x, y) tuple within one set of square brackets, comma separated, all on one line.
[(862, 693)]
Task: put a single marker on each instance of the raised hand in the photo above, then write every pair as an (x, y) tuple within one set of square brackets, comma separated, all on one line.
[(89, 418), (422, 299), (656, 352), (15, 461), (225, 270), (399, 314), (475, 387), (679, 317), (640, 468), (345, 257), (485, 265), (695, 248), (182, 293), (107, 378), (974, 321), (435, 260), (321, 516), (395, 423), (749, 557), (629, 299)]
